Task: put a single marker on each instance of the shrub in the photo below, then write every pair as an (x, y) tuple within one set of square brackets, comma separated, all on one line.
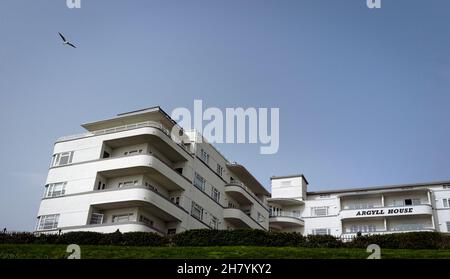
[(143, 239), (80, 238), (17, 238), (241, 237), (412, 240), (322, 241)]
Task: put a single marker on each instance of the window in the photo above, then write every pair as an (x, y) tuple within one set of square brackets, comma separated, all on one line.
[(215, 194), (204, 156), (62, 159), (132, 152), (96, 218), (214, 222), (446, 202), (48, 222), (408, 202), (122, 218), (319, 211), (199, 182), (146, 221), (197, 211), (175, 200), (448, 226), (324, 196), (321, 231), (261, 218), (55, 190), (171, 231), (219, 170), (128, 183)]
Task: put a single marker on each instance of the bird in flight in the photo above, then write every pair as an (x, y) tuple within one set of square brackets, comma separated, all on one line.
[(66, 42)]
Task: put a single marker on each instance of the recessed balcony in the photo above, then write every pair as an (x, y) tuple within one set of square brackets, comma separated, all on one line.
[(147, 164), (137, 196), (240, 219)]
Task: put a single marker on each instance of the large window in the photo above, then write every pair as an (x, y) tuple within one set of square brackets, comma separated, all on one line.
[(446, 202), (448, 226), (55, 190), (62, 159), (199, 182), (197, 211), (363, 228), (48, 222), (122, 218), (319, 211), (204, 156)]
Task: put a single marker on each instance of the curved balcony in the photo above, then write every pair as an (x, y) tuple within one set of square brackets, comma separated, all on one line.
[(139, 164), (157, 131), (239, 219), (423, 209), (286, 219), (138, 196)]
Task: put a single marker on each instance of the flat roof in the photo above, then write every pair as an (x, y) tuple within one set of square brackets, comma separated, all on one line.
[(374, 188)]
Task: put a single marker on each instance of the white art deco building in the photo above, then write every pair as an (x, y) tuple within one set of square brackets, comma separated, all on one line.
[(129, 173)]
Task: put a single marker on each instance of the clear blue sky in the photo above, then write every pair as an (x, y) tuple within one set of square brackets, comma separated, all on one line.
[(363, 94)]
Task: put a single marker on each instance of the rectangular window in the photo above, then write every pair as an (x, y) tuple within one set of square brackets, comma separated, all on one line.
[(146, 221), (204, 156), (215, 194), (408, 202), (199, 182), (219, 170), (319, 211), (62, 159), (448, 226), (321, 231), (446, 202), (55, 189), (96, 218), (132, 152), (197, 211), (214, 222), (48, 222), (122, 218)]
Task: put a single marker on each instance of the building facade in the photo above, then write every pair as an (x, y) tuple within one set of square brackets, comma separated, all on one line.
[(347, 212), (130, 173)]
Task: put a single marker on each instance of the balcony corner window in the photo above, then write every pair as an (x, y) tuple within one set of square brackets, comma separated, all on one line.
[(55, 190), (61, 159), (48, 222)]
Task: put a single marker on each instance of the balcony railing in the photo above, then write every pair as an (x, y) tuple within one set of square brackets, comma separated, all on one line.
[(285, 214), (150, 124)]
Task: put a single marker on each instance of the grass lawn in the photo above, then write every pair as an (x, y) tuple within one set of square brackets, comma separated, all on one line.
[(44, 251)]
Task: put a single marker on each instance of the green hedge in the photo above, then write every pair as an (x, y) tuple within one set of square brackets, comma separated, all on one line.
[(86, 238), (242, 237), (412, 240)]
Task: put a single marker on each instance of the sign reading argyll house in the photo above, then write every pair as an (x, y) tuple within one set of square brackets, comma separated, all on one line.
[(391, 211)]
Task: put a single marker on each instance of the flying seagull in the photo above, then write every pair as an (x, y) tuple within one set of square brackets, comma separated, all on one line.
[(66, 42)]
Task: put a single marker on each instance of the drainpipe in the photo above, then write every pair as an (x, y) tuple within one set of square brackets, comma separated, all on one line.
[(382, 200)]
